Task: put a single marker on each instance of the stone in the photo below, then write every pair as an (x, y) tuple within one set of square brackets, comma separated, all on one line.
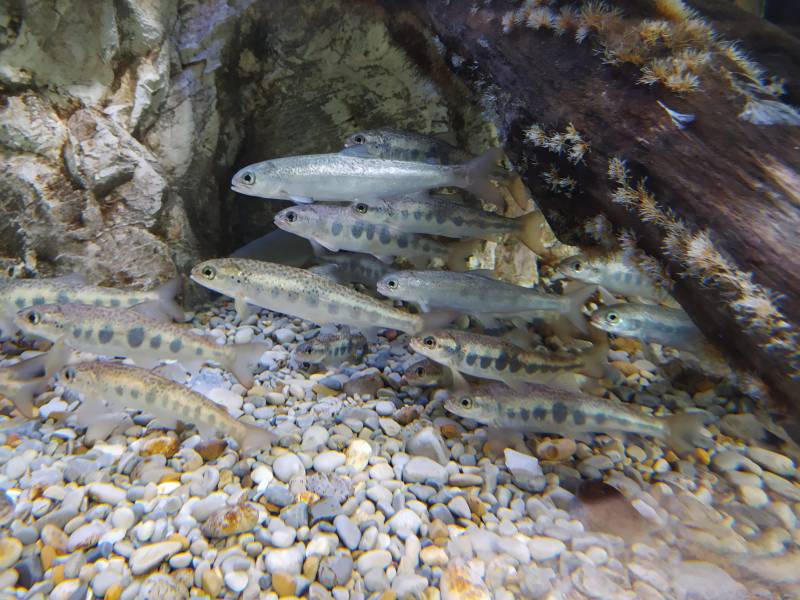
[(10, 551), (358, 454), (211, 449), (428, 442), (545, 548), (314, 438), (327, 462), (772, 461), (161, 586), (335, 571), (373, 559), (348, 531), (285, 560), (106, 492), (147, 558), (409, 585), (458, 583), (706, 581), (421, 469), (324, 510), (232, 520), (433, 556), (459, 507), (287, 466)]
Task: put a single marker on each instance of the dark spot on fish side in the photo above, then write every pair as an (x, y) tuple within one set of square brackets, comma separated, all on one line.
[(514, 365), (135, 394), (501, 362), (97, 302), (459, 221), (579, 417), (115, 303), (88, 333), (20, 302), (402, 241), (357, 230), (600, 418), (385, 237), (510, 413), (531, 368), (293, 296), (371, 231), (105, 335), (199, 352), (441, 218), (133, 301), (540, 413), (525, 414), (471, 358), (119, 390), (176, 345), (155, 342), (76, 333), (150, 398), (62, 298), (336, 228), (417, 215), (38, 300), (560, 412), (136, 337), (485, 362)]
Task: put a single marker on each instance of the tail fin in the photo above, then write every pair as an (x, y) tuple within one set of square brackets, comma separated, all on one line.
[(685, 432), (596, 358), (476, 175), (166, 296), (460, 252), (255, 439), (24, 393), (436, 319), (574, 309), (245, 362), (532, 227)]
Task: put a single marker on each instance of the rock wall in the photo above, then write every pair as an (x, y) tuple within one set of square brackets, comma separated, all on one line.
[(121, 122)]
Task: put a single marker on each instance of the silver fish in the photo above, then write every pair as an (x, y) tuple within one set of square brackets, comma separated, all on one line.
[(615, 273), (437, 216), (489, 357), (650, 323), (543, 409), (332, 349), (394, 144), (427, 373), (478, 295), (17, 294), (118, 332), (337, 177), (336, 228), (349, 267), (299, 293), (106, 386)]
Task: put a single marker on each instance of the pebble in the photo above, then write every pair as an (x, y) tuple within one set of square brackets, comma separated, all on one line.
[(372, 560), (772, 461), (428, 442), (421, 469), (232, 520), (544, 548), (10, 551), (358, 454), (107, 493), (287, 466), (348, 531), (327, 462), (148, 557)]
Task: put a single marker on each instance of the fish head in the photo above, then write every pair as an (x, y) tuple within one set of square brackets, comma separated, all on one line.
[(258, 180), (223, 275), (48, 321), (424, 373), (468, 406), (619, 319), (581, 268), (79, 379), (300, 219), (440, 345), (309, 352), (358, 138), (378, 212), (400, 285)]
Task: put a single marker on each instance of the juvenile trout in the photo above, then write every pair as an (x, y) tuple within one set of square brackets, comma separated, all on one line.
[(478, 295), (17, 294), (108, 386), (438, 216), (332, 349), (336, 228), (118, 332), (543, 409), (489, 357), (299, 293), (338, 177), (349, 267), (650, 323), (616, 273), (394, 144), (427, 373)]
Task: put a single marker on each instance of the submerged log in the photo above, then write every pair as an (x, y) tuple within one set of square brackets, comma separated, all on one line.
[(737, 180)]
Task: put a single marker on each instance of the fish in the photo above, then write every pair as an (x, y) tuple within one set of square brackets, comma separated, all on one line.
[(650, 324), (332, 348), (306, 295), (489, 357), (278, 246), (544, 409), (109, 386), (350, 267), (427, 373), (23, 381), (480, 295), (120, 332), (336, 228), (394, 144), (438, 216), (337, 178), (18, 294), (616, 273)]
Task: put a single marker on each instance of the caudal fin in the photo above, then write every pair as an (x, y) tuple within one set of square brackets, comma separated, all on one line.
[(477, 174), (574, 306), (685, 432), (436, 319), (596, 358), (255, 439), (24, 393), (166, 296), (245, 362)]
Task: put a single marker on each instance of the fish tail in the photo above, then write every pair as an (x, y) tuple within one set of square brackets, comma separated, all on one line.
[(575, 302), (436, 319), (531, 226), (166, 297), (477, 174), (245, 362), (23, 396), (460, 252), (256, 438), (596, 358), (684, 432)]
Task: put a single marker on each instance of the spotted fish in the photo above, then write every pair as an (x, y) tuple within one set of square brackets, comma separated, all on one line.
[(477, 294), (543, 409), (299, 293), (394, 144), (117, 332), (332, 348), (616, 273), (338, 177), (438, 216), (106, 386), (489, 357), (650, 323), (17, 294), (337, 228), (427, 373), (349, 267)]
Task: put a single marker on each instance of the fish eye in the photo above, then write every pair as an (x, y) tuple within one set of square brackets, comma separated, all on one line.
[(577, 266), (420, 371), (362, 208), (209, 272), (430, 341), (359, 139), (392, 284), (613, 317), (291, 216), (69, 374), (465, 402), (34, 317), (248, 177)]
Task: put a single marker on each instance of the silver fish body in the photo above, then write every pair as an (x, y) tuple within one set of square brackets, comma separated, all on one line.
[(348, 267), (107, 386), (119, 332), (543, 409), (395, 144), (650, 323), (332, 349), (303, 294), (336, 228), (338, 177)]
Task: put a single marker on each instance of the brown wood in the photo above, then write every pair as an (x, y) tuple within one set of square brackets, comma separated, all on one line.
[(738, 180)]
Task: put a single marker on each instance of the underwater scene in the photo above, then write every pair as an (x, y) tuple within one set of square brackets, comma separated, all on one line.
[(432, 299)]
